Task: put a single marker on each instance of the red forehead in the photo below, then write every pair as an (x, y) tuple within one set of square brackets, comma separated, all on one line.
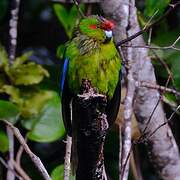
[(107, 25)]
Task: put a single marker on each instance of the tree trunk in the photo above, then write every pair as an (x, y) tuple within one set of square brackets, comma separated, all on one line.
[(161, 146)]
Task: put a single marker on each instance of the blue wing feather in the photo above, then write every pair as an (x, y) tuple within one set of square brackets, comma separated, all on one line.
[(63, 74)]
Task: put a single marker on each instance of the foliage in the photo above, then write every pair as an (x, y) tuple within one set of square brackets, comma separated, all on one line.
[(44, 128), (58, 173), (67, 17), (9, 111), (171, 57), (153, 5), (34, 105), (163, 36)]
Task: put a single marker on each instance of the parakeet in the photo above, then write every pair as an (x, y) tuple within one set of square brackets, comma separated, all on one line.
[(92, 55)]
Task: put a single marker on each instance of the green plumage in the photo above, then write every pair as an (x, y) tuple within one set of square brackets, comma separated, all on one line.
[(90, 58), (91, 55)]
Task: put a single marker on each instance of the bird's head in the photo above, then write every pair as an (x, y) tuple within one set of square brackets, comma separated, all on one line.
[(97, 27)]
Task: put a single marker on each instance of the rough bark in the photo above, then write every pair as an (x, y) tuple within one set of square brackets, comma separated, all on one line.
[(91, 128), (10, 173), (120, 14), (162, 147), (13, 29)]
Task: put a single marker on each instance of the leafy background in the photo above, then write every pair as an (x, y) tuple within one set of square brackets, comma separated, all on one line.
[(29, 89)]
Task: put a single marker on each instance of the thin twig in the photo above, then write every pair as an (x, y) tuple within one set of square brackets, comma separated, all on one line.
[(9, 168), (172, 46), (21, 171), (126, 161), (169, 119), (154, 47), (67, 162), (165, 66), (17, 163), (19, 153), (158, 87), (172, 7), (150, 20), (143, 134), (67, 158), (150, 35), (13, 29), (10, 174), (35, 159)]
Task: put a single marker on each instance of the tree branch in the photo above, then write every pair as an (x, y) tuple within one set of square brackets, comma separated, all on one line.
[(20, 171), (67, 158), (12, 51), (157, 87), (13, 29), (9, 168), (161, 146), (172, 46), (10, 174), (36, 160), (91, 126), (138, 33)]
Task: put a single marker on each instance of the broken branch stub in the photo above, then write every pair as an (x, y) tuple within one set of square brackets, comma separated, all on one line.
[(91, 128)]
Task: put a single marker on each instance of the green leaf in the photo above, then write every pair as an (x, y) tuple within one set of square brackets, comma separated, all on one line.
[(33, 101), (72, 20), (151, 6), (29, 100), (68, 18), (49, 124), (27, 74), (170, 99), (28, 123), (21, 59), (62, 15), (13, 92), (4, 143), (58, 173), (9, 111)]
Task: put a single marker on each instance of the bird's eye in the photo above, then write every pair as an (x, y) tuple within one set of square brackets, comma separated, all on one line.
[(93, 26)]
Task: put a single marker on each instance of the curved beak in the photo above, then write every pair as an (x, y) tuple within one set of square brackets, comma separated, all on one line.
[(108, 34)]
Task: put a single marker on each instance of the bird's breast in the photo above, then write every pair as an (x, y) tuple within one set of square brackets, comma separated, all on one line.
[(100, 67)]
